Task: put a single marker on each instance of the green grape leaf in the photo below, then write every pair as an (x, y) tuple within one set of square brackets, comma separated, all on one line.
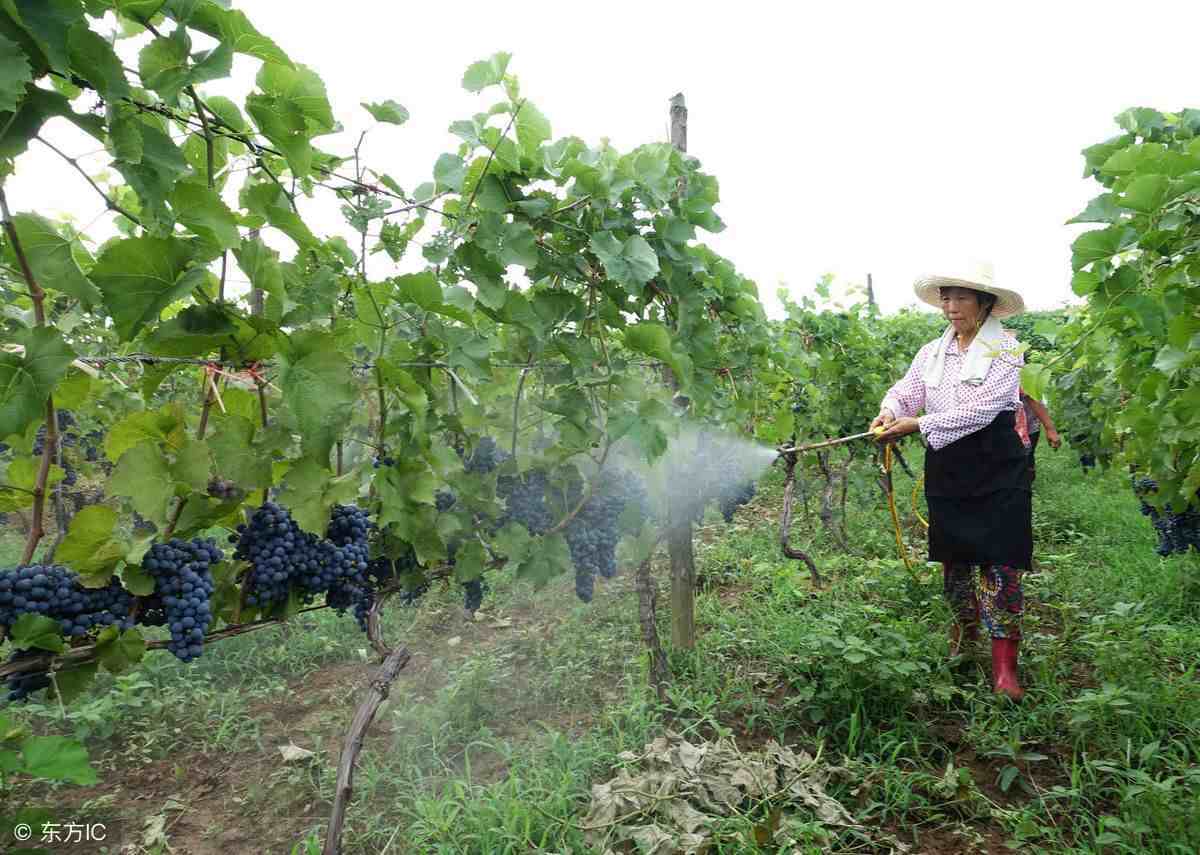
[(73, 390), (51, 259), (632, 263), (261, 265), (137, 10), (49, 21), (27, 380), (1170, 358), (309, 493), (227, 112), (654, 340), (139, 277), (19, 479), (449, 173), (469, 561), (234, 28), (419, 288), (485, 73), (162, 425), (388, 111), (533, 129), (1103, 209), (57, 758), (203, 512), (269, 202), (164, 66), (236, 457), (402, 489), (144, 476), (514, 543), (214, 64), (191, 465), (202, 210), (92, 547), (293, 110), (1146, 193), (159, 167), (15, 74), (94, 58), (37, 632), (134, 577), (1100, 245), (548, 557), (1035, 379), (317, 385), (117, 650), (519, 245), (74, 680)]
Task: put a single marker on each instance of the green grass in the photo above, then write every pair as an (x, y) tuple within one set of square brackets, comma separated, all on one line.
[(492, 737)]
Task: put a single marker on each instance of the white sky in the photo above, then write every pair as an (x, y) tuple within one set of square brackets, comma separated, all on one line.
[(891, 138)]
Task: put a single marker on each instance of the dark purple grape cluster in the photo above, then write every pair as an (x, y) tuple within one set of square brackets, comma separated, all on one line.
[(282, 556), (732, 496), (384, 461), (486, 457), (473, 595), (223, 489), (55, 591), (525, 500), (183, 585), (21, 686), (276, 548), (445, 500), (1177, 533)]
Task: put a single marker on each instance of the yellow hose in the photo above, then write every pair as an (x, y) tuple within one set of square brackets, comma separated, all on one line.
[(917, 510), (891, 494)]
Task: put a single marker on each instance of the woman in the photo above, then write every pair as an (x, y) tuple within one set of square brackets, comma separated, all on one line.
[(976, 467)]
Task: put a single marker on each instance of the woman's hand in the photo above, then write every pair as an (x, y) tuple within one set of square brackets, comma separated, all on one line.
[(885, 419), (899, 428), (1053, 438)]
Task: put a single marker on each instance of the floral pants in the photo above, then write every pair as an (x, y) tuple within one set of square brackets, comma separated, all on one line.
[(990, 593)]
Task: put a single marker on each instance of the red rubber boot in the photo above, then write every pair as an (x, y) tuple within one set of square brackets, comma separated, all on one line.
[(1004, 668)]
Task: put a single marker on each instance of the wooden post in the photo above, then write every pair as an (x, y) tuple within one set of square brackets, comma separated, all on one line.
[(870, 292), (679, 511)]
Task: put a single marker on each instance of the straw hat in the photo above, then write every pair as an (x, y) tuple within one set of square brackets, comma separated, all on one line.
[(978, 276)]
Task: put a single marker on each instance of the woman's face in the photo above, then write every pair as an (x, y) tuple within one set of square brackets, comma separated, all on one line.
[(961, 307)]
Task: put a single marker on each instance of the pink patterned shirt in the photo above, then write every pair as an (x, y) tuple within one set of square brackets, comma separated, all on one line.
[(954, 410)]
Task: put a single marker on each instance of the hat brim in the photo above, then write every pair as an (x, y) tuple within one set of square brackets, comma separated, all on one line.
[(1008, 303)]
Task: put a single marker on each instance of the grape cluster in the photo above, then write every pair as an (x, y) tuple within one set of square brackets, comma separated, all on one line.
[(525, 500), (55, 592), (183, 585), (282, 556), (224, 489), (445, 500), (732, 496), (1177, 533), (486, 457), (384, 461), (277, 550), (473, 595), (22, 685), (350, 556), (593, 534)]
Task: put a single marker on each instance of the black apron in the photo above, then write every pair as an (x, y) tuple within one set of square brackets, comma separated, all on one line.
[(978, 490)]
